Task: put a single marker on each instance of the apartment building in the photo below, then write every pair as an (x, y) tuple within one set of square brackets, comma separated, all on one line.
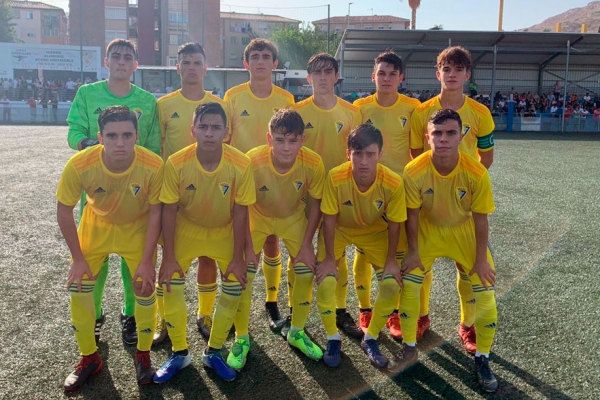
[(39, 23), (387, 22)]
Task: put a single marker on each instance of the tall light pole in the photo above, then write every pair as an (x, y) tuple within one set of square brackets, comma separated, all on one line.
[(500, 15), (80, 43), (348, 20)]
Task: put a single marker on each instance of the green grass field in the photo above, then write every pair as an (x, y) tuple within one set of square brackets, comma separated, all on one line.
[(546, 245)]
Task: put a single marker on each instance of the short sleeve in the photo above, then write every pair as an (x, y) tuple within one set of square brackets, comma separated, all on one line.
[(483, 199), (156, 186), (413, 192), (169, 193), (245, 194), (329, 203), (315, 186), (69, 186), (396, 209)]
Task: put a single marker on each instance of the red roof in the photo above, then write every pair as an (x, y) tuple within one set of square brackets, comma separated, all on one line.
[(361, 19), (36, 5)]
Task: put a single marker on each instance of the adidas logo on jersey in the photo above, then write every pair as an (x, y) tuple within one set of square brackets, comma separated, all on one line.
[(100, 190), (191, 187), (175, 115), (308, 126), (244, 114), (264, 189), (490, 326), (348, 203), (306, 303), (98, 111), (429, 191)]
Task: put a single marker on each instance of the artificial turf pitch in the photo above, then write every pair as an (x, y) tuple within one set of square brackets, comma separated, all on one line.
[(545, 241)]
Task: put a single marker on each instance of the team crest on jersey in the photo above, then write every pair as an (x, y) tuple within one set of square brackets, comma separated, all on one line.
[(462, 192), (378, 204), (466, 129), (339, 125), (224, 188), (298, 185), (135, 189), (138, 113), (403, 120)]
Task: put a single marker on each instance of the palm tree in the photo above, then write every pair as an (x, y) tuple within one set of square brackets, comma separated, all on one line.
[(414, 4)]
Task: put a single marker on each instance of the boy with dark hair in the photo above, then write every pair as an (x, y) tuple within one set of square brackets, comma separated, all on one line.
[(390, 112), (252, 104), (453, 71), (363, 204), (328, 122), (448, 195), (90, 100), (116, 220), (207, 189), (288, 180), (175, 115)]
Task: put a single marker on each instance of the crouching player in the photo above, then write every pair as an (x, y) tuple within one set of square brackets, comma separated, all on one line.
[(123, 216), (449, 196), (363, 204), (287, 177), (206, 192)]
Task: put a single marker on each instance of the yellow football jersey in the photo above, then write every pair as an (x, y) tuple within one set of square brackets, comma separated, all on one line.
[(394, 124), (368, 211), (477, 122), (250, 115), (448, 200), (206, 198), (284, 195), (327, 130), (117, 198), (175, 117)]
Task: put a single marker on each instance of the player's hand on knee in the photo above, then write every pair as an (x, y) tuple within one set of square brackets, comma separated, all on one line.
[(77, 270), (252, 258), (306, 256), (485, 272), (325, 268), (146, 272), (411, 262), (168, 268), (392, 268), (239, 269)]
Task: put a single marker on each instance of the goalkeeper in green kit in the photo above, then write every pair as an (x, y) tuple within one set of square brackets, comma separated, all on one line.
[(90, 100)]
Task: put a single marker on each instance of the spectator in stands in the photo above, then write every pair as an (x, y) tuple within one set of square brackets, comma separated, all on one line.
[(544, 103), (497, 97), (473, 88), (5, 108), (427, 95), (169, 89), (54, 103), (554, 109), (557, 88), (7, 86), (70, 86), (32, 109)]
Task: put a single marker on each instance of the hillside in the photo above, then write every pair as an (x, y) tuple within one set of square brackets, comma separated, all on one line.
[(572, 19)]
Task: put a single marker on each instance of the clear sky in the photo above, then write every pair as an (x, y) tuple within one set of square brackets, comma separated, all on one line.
[(452, 14)]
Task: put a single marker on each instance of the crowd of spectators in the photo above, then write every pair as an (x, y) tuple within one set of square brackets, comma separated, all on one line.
[(23, 88)]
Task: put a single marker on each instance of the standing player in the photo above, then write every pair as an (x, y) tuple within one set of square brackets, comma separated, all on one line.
[(175, 115), (91, 99), (363, 204), (328, 122), (287, 177), (123, 216), (206, 192), (252, 104), (390, 112), (453, 71), (448, 195)]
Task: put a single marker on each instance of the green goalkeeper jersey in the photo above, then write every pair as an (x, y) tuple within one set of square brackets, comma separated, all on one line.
[(93, 98)]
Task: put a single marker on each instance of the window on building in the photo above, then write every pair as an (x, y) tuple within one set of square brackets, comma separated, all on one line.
[(133, 2), (172, 61), (30, 33), (29, 14), (178, 18), (16, 14), (232, 56), (175, 39), (115, 13), (232, 40), (263, 26), (109, 36), (50, 23), (368, 27), (246, 40)]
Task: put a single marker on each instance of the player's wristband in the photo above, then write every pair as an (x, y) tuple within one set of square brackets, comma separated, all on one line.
[(85, 143)]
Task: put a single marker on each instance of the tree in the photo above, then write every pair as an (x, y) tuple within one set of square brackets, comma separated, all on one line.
[(7, 28), (437, 27), (414, 4), (298, 45)]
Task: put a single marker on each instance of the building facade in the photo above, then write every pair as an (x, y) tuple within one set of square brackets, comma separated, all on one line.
[(376, 22), (158, 27), (39, 23), (238, 29)]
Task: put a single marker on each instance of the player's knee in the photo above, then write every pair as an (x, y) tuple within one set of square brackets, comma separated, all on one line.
[(411, 286), (326, 289), (485, 300), (389, 288), (303, 275), (142, 290)]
